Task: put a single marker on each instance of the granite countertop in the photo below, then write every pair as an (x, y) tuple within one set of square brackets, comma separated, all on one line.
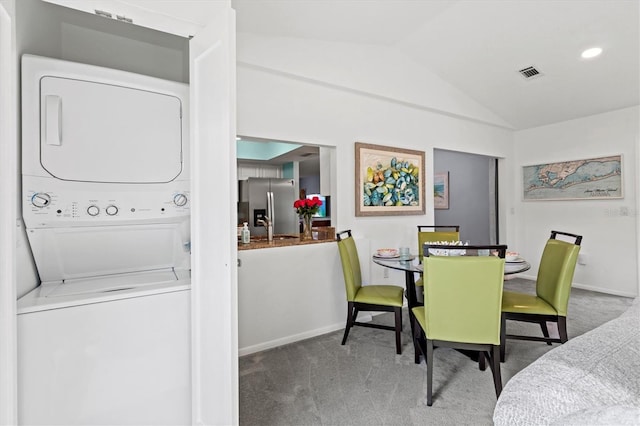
[(283, 240)]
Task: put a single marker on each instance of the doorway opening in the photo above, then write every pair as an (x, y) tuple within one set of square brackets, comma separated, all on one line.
[(473, 195)]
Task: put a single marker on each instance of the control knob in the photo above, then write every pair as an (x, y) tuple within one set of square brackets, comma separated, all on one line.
[(93, 210), (41, 199), (180, 200), (111, 210)]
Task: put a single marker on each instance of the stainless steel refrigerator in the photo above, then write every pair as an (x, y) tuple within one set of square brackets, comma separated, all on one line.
[(259, 197)]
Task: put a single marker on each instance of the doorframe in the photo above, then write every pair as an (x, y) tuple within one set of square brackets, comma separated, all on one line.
[(637, 211), (492, 189), (214, 301), (8, 192), (212, 408), (496, 200)]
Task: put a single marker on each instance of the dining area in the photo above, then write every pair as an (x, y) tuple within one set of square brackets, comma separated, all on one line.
[(369, 380), (454, 295)]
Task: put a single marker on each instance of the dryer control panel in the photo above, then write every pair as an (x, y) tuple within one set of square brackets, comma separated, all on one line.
[(44, 207)]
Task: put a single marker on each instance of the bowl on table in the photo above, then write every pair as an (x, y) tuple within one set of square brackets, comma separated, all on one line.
[(512, 256), (387, 252), (447, 252)]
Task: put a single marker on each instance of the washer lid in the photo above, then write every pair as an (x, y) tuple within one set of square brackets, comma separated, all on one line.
[(97, 132), (108, 283), (63, 254)]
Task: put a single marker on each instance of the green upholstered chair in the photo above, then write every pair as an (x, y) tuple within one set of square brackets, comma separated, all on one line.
[(553, 286), (463, 296), (436, 233), (366, 298)]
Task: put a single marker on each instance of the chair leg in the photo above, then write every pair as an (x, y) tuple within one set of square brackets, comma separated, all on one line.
[(398, 312), (417, 335), (545, 330), (414, 326), (429, 371), (482, 361), (495, 368), (562, 329), (351, 313), (503, 336)]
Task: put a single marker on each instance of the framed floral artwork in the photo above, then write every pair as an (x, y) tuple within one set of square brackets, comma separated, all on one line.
[(388, 181), (441, 191)]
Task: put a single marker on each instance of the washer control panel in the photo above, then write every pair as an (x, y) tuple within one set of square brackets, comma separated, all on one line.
[(180, 199), (93, 210), (111, 210), (43, 207), (40, 199)]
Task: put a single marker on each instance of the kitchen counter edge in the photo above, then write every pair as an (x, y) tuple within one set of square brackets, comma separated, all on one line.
[(254, 245)]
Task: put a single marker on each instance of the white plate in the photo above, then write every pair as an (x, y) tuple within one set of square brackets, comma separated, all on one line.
[(517, 260), (386, 252), (377, 256)]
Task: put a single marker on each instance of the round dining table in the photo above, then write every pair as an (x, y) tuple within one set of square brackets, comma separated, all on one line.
[(408, 265), (411, 267)]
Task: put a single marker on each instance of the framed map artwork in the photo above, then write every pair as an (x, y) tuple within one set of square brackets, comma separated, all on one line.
[(593, 178)]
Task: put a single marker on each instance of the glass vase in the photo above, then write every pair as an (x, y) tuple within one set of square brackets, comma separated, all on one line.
[(306, 229)]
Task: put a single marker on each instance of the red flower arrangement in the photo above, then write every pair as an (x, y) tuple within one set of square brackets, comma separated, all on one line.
[(307, 206)]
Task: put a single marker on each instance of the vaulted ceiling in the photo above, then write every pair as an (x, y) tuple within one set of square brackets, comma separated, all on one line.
[(479, 46)]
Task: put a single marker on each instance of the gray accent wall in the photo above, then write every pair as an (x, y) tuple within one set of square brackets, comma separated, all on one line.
[(471, 194)]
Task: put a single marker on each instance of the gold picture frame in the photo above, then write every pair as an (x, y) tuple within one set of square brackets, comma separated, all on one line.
[(586, 179), (389, 181)]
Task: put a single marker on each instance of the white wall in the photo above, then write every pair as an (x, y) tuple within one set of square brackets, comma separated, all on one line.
[(276, 308), (310, 104), (609, 246), (380, 71), (328, 96), (288, 294)]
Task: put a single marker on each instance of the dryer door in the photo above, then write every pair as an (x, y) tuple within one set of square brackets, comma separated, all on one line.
[(96, 132)]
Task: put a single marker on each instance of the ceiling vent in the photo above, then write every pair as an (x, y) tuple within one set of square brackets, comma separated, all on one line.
[(530, 72)]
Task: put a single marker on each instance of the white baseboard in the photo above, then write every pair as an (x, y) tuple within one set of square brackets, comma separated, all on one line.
[(604, 290), (289, 339), (301, 336), (588, 287)]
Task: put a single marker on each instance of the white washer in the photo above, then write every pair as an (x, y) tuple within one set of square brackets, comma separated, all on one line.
[(105, 337)]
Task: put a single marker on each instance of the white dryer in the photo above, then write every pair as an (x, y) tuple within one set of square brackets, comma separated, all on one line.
[(105, 337)]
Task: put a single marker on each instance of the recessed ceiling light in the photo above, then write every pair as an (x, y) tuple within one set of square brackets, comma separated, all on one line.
[(591, 53)]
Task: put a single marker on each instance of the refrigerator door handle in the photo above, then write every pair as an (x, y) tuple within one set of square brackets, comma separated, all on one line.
[(270, 207)]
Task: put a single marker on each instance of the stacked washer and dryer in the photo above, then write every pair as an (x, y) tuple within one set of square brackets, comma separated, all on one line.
[(105, 337)]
